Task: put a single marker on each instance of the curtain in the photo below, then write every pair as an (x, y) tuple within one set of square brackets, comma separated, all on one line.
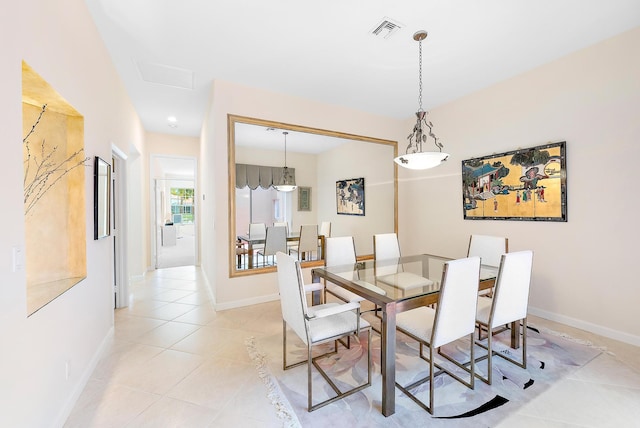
[(258, 175)]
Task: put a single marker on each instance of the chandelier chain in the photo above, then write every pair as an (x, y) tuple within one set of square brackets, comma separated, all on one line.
[(420, 75)]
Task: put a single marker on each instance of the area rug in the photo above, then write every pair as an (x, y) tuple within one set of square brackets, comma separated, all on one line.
[(551, 356)]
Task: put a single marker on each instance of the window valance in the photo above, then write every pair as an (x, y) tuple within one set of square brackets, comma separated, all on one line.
[(258, 175)]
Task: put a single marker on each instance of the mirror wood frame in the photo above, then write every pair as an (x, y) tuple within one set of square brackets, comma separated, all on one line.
[(231, 121)]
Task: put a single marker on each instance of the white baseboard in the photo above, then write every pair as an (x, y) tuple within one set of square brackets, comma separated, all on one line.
[(82, 382), (587, 326), (247, 302)]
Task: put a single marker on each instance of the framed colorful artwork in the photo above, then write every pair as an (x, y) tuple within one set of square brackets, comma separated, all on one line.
[(350, 196), (525, 184)]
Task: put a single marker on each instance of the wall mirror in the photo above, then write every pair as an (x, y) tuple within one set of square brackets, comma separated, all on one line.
[(101, 199), (319, 159)]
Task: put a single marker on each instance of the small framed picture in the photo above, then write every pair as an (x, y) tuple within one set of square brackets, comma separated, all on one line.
[(304, 198)]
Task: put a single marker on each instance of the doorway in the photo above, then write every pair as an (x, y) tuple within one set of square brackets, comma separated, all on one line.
[(174, 219)]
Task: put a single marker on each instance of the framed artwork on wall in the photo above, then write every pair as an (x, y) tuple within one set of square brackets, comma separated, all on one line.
[(350, 196), (304, 198), (524, 184)]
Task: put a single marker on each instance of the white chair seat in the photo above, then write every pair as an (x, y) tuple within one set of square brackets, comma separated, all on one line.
[(405, 280), (327, 327), (418, 322), (343, 294), (368, 285), (349, 296)]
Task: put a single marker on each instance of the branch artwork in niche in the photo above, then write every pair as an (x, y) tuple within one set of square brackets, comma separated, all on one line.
[(47, 171)]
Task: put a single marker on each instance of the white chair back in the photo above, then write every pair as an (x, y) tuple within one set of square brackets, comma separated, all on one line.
[(511, 295), (308, 238), (457, 304), (282, 223), (257, 231), (325, 229), (276, 240), (488, 248), (386, 246), (292, 296), (340, 251)]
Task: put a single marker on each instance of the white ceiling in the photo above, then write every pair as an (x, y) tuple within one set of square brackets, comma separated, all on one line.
[(168, 52)]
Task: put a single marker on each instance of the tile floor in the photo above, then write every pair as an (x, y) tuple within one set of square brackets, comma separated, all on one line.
[(175, 362)]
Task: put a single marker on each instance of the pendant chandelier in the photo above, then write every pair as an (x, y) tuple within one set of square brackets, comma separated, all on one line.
[(415, 157), (287, 182)]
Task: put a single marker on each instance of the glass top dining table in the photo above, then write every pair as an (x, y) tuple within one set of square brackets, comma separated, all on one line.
[(408, 282)]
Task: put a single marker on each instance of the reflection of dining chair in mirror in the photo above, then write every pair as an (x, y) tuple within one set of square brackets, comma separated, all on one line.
[(387, 248), (307, 243), (453, 319), (490, 249), (241, 253), (285, 224), (275, 241), (282, 223), (257, 231)]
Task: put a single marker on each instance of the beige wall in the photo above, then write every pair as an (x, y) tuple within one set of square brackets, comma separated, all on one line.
[(590, 99), (354, 160), (583, 272), (230, 98), (59, 40)]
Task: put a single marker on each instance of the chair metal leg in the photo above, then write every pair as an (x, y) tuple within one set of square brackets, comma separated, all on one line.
[(433, 373), (340, 394), (491, 352)]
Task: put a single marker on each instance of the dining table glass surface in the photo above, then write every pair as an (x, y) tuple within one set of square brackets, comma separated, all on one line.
[(408, 282)]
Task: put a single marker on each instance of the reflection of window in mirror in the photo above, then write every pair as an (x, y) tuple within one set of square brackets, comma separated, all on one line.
[(260, 206)]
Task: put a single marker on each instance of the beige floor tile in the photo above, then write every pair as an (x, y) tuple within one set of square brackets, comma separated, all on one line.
[(105, 404), (168, 412), (160, 373), (170, 311), (200, 315), (214, 384), (167, 334)]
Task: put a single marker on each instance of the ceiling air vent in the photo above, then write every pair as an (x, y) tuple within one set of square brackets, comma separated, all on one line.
[(386, 28)]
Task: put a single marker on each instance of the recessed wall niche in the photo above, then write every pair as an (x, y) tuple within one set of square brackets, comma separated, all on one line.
[(54, 191)]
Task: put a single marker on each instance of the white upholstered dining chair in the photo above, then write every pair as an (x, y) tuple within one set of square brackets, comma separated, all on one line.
[(307, 243), (453, 319), (341, 251), (508, 304), (276, 240), (387, 247), (257, 231), (489, 249), (316, 325)]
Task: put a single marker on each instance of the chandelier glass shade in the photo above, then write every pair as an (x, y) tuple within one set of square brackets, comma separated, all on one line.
[(286, 182), (416, 157)]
